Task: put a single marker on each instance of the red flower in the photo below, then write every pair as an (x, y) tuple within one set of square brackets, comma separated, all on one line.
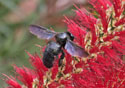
[(103, 38), (12, 82)]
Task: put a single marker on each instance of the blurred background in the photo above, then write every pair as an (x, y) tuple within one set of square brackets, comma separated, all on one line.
[(15, 18)]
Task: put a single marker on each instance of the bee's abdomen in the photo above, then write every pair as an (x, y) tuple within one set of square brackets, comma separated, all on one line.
[(48, 59)]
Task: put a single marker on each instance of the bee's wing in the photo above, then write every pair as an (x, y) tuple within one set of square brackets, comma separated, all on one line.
[(75, 50), (41, 32)]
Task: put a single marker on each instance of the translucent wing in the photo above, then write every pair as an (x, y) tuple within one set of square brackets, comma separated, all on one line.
[(75, 50), (41, 32)]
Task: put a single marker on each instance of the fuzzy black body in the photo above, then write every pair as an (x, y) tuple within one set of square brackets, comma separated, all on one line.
[(54, 48), (51, 51)]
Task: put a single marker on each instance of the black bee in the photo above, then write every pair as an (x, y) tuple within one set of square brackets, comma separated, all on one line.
[(53, 49)]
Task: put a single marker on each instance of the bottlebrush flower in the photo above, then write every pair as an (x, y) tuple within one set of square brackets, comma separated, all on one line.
[(103, 38)]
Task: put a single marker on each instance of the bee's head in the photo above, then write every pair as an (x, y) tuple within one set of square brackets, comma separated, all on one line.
[(70, 36)]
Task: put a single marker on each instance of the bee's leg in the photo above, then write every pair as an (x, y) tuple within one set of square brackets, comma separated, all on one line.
[(61, 57)]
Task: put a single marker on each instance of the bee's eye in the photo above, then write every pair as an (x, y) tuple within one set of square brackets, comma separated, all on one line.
[(71, 37)]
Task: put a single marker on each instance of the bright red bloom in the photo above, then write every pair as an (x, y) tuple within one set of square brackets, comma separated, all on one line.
[(103, 38), (12, 82)]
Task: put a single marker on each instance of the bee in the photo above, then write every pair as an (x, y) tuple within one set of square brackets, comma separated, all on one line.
[(64, 40)]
